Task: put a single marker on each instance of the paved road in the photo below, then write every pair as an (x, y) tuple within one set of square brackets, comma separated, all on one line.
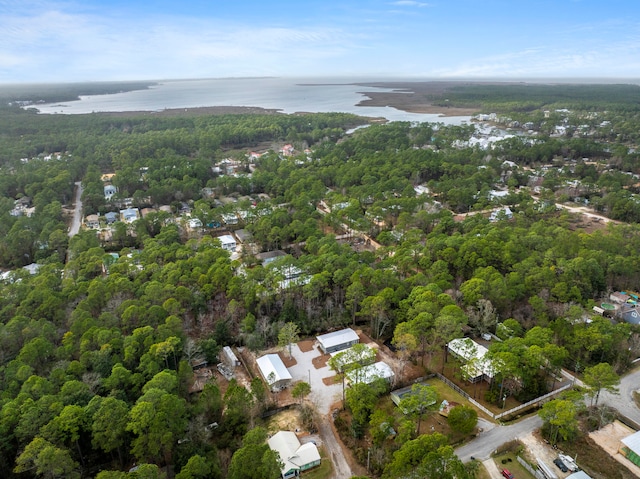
[(77, 212), (624, 402), (488, 441)]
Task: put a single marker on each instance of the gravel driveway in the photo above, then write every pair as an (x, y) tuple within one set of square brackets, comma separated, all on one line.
[(323, 397)]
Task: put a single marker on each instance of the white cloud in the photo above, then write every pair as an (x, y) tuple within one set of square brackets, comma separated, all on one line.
[(410, 3)]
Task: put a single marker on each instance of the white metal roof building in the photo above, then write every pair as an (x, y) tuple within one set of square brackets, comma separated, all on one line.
[(295, 457), (478, 366), (368, 374), (228, 242), (338, 340), (632, 448), (274, 371)]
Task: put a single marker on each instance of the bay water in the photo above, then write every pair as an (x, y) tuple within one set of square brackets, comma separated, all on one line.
[(289, 95)]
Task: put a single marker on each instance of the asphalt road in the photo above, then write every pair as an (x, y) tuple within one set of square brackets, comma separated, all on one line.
[(623, 401), (488, 441)]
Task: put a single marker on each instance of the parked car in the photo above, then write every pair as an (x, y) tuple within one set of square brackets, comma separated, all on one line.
[(507, 474), (561, 465)]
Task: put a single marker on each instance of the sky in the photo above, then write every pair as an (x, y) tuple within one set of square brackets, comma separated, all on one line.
[(45, 41)]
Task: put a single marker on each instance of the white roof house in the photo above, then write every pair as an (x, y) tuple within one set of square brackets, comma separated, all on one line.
[(295, 457), (368, 374), (338, 340), (109, 191), (274, 371), (474, 354), (228, 242), (129, 215)]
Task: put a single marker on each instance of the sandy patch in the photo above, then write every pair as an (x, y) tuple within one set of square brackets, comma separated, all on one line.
[(321, 361), (306, 346), (286, 359), (288, 420), (609, 438), (330, 380)]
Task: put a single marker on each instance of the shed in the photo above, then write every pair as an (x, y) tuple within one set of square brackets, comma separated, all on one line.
[(274, 372), (368, 374), (399, 394), (294, 457), (228, 357), (631, 448), (338, 340)]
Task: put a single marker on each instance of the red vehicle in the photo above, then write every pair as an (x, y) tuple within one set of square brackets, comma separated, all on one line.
[(507, 474)]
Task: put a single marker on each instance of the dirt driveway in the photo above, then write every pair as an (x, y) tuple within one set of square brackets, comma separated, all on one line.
[(609, 437), (538, 449)]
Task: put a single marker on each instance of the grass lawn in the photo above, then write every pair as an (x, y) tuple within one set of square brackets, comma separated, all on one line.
[(323, 471), (483, 473), (512, 464)]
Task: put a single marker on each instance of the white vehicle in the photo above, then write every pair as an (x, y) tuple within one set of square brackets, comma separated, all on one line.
[(569, 462)]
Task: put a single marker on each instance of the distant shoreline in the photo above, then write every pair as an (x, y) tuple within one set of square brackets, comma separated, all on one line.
[(415, 97)]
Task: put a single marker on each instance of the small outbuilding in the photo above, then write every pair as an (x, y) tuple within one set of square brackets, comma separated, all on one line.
[(338, 340), (274, 372), (631, 448), (228, 357), (399, 394), (294, 457)]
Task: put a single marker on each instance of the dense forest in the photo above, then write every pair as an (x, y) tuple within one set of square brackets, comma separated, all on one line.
[(97, 348)]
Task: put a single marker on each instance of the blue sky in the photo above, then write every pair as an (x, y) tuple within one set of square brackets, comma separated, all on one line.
[(92, 40)]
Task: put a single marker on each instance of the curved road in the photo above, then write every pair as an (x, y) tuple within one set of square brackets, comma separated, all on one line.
[(623, 401), (77, 212), (487, 442)]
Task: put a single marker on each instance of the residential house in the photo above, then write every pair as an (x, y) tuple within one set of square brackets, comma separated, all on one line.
[(129, 215), (92, 222), (243, 236), (109, 191), (270, 256), (111, 217), (195, 223), (477, 367), (502, 213), (337, 340), (287, 150), (294, 457), (227, 242), (368, 374), (229, 219), (274, 372)]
